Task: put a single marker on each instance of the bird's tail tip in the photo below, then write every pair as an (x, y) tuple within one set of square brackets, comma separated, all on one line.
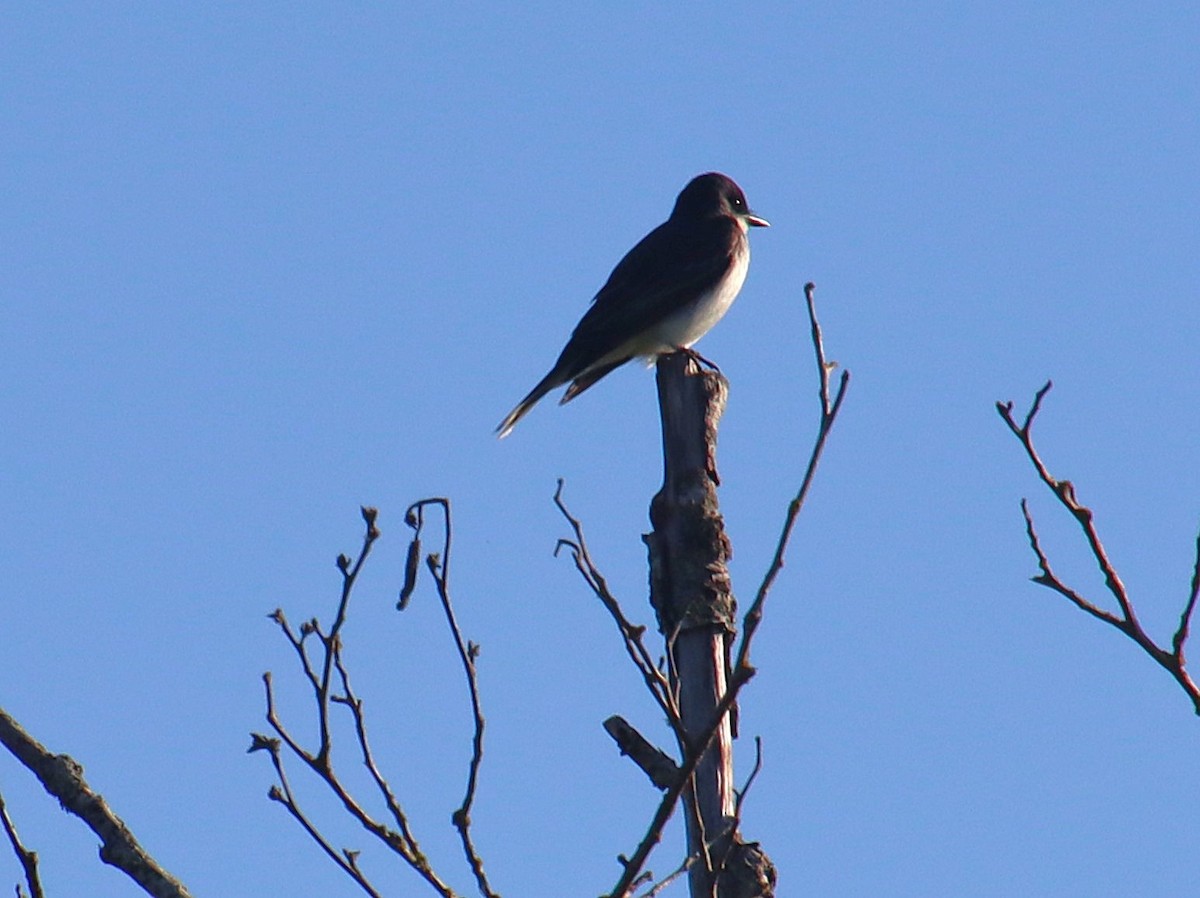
[(548, 383), (505, 427)]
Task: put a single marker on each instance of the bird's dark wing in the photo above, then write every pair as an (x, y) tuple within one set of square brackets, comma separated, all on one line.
[(671, 266)]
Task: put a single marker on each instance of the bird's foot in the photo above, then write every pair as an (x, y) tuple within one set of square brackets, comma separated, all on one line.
[(699, 359)]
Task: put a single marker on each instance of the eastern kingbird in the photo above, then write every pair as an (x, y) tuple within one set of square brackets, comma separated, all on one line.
[(666, 293)]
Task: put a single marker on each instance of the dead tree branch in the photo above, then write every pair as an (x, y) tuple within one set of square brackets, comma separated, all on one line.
[(830, 406), (439, 567), (329, 680), (28, 859), (1173, 661), (62, 777), (692, 595), (695, 856), (631, 634), (659, 766)]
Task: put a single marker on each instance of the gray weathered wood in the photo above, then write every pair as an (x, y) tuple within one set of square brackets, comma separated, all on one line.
[(692, 596)]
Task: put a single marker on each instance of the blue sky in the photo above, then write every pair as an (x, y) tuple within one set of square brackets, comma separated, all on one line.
[(261, 264)]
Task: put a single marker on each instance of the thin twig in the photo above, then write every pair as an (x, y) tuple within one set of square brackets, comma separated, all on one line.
[(666, 696), (402, 841), (736, 823), (1049, 579), (332, 641), (439, 568), (1064, 490), (658, 887), (282, 793), (1185, 619), (355, 704), (829, 412), (726, 831), (745, 790), (1127, 622), (299, 644), (27, 858), (631, 634)]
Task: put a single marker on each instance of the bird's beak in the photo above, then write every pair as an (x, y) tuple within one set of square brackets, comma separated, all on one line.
[(756, 221)]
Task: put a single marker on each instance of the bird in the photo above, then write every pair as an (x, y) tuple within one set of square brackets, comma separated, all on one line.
[(664, 295)]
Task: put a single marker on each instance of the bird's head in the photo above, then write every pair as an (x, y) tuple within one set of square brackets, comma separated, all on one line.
[(714, 194)]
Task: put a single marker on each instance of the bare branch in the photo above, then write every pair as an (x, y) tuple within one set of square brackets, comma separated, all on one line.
[(662, 884), (1185, 619), (722, 838), (298, 643), (439, 568), (631, 634), (62, 777), (745, 790), (654, 762), (283, 794), (1049, 579), (355, 704), (27, 858), (1127, 621), (830, 406), (1064, 491), (321, 679), (666, 807), (656, 682), (332, 641)]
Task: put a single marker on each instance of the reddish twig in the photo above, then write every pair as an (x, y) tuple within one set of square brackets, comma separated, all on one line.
[(1173, 661)]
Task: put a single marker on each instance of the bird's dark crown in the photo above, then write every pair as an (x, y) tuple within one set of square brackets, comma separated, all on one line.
[(710, 194)]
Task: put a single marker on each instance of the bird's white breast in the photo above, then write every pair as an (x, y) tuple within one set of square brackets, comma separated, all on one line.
[(692, 322)]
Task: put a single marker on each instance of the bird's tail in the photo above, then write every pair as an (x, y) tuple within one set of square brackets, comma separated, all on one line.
[(545, 385)]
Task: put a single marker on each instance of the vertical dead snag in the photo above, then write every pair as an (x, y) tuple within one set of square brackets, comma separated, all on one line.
[(693, 599)]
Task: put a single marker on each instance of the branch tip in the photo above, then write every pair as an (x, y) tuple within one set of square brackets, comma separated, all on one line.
[(1127, 621)]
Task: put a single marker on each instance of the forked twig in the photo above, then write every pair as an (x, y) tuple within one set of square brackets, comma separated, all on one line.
[(282, 793), (329, 679), (1173, 661), (439, 568)]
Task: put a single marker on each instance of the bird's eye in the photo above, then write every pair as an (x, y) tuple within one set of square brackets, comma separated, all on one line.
[(738, 201)]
